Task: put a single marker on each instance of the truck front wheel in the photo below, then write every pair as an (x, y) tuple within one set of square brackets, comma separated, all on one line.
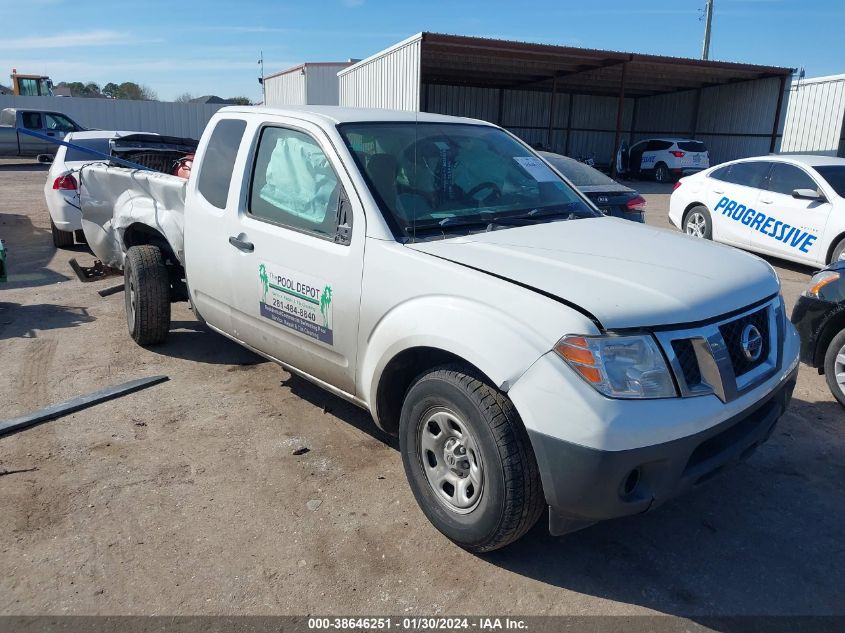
[(468, 459), (147, 293)]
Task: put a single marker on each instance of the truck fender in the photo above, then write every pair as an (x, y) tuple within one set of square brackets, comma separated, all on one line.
[(495, 343), (113, 199)]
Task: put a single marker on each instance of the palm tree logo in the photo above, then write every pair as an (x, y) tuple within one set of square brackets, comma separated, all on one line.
[(265, 282), (325, 304)]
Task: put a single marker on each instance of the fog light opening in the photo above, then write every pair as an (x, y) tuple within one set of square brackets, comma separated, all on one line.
[(630, 483)]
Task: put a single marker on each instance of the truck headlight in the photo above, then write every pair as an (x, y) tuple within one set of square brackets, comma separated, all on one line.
[(819, 281), (619, 366)]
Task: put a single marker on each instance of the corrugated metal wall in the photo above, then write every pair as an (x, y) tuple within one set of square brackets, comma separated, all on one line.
[(390, 79), (321, 84), (285, 89), (815, 118), (734, 120), (176, 119)]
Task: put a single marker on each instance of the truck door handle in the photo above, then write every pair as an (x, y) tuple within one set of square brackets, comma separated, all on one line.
[(766, 201), (241, 244), (719, 192)]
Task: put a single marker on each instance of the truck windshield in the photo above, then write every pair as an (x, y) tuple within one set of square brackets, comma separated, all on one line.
[(436, 178)]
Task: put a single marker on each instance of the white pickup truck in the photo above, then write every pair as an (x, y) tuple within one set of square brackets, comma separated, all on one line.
[(527, 350)]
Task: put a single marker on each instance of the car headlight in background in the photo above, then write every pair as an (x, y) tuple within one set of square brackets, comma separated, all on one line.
[(619, 366), (819, 281)]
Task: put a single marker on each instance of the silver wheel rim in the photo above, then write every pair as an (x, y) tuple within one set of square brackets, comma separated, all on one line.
[(451, 460), (839, 369), (660, 175), (696, 224)]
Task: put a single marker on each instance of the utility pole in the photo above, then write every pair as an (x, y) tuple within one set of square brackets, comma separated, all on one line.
[(708, 20), (261, 80)]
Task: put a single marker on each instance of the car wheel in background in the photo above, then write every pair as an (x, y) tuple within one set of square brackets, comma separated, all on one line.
[(834, 367), (698, 223), (147, 294), (468, 459), (661, 173), (61, 239), (838, 252)]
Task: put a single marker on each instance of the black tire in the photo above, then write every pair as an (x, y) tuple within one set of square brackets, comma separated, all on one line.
[(147, 294), (838, 252), (61, 239), (510, 495), (831, 365), (661, 173), (698, 223)]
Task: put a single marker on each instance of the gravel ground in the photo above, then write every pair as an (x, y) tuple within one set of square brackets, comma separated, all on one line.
[(187, 498)]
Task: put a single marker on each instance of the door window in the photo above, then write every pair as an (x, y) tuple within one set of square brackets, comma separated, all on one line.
[(748, 174), (218, 162), (787, 178), (658, 146), (59, 123), (293, 183), (31, 120)]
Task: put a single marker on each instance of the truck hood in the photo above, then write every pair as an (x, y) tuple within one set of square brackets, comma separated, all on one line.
[(625, 274)]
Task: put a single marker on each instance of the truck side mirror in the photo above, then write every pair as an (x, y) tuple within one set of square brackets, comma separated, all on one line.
[(344, 219), (808, 194)]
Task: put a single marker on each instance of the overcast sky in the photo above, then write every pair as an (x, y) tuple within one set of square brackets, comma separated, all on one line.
[(212, 47)]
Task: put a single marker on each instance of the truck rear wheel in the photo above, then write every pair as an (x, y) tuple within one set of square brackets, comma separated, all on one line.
[(147, 294), (61, 239), (468, 459)]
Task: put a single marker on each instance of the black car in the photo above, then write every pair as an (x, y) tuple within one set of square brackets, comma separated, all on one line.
[(819, 317), (607, 194)]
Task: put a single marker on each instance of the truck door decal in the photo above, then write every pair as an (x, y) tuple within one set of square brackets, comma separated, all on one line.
[(296, 301)]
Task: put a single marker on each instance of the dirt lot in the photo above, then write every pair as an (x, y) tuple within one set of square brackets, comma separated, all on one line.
[(186, 498)]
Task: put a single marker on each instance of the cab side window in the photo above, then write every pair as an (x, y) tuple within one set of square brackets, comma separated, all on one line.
[(218, 162), (294, 184), (787, 178), (31, 120)]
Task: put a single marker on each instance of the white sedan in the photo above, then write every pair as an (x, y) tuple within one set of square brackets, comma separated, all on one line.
[(61, 191), (791, 207)]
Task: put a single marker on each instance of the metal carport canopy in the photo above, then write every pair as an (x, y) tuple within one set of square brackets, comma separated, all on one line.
[(489, 63)]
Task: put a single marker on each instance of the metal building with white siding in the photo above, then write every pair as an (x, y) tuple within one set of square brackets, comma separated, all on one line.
[(815, 118), (311, 83), (576, 101)]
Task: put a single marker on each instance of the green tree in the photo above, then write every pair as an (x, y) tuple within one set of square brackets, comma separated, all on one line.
[(240, 101)]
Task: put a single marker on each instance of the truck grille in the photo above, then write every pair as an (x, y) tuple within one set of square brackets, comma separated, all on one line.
[(712, 359), (732, 333), (689, 363)]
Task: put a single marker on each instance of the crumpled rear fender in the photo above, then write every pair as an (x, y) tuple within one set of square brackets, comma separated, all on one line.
[(114, 198)]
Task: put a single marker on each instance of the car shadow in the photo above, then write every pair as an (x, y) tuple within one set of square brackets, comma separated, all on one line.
[(25, 321), (24, 166), (29, 250), (763, 538), (191, 340), (344, 410)]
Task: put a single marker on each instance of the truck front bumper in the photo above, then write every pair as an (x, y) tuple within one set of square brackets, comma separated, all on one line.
[(602, 458), (584, 485)]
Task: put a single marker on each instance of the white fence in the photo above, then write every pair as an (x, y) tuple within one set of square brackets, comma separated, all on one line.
[(175, 119)]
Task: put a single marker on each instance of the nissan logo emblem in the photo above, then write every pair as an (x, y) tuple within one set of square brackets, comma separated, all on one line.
[(752, 342)]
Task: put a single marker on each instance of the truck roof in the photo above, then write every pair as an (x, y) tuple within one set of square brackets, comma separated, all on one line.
[(340, 114)]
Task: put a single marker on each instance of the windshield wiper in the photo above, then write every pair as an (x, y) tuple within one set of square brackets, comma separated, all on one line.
[(451, 222)]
